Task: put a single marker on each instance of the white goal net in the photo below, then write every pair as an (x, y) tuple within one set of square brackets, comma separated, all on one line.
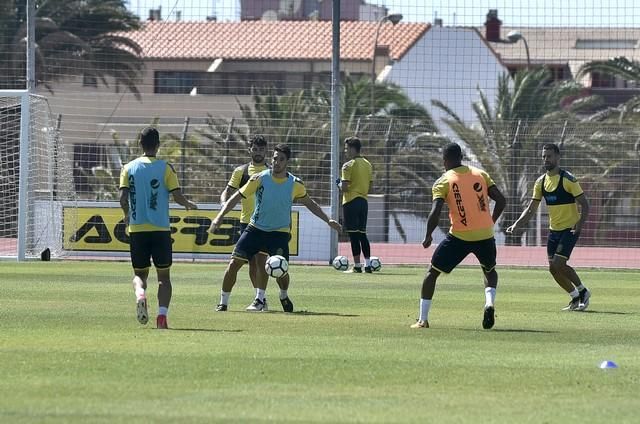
[(32, 188)]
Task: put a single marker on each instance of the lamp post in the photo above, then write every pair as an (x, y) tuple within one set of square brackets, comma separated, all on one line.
[(394, 19), (515, 36)]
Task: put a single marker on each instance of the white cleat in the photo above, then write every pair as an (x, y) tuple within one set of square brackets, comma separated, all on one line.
[(141, 311)]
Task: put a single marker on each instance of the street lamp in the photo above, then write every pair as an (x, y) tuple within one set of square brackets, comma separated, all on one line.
[(515, 36), (394, 19)]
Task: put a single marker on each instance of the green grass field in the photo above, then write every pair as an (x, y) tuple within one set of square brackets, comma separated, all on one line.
[(71, 350)]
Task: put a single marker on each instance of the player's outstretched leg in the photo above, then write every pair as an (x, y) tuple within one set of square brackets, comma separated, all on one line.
[(228, 281)]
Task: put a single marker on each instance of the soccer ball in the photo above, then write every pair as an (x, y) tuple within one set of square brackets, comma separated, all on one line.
[(340, 263), (276, 266), (375, 263)]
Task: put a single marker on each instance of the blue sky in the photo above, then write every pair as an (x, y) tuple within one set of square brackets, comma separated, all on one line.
[(602, 13)]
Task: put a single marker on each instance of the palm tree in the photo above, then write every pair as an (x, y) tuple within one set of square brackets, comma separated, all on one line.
[(618, 66), (73, 38), (506, 131)]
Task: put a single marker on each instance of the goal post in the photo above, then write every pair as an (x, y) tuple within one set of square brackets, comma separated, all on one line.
[(35, 177)]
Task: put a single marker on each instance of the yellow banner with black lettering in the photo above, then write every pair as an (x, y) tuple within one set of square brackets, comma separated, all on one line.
[(103, 229)]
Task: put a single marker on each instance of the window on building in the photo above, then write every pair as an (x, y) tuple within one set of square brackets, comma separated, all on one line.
[(606, 44), (174, 82), (89, 80)]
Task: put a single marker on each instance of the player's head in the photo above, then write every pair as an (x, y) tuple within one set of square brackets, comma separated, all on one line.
[(150, 140), (452, 155), (281, 156), (257, 149), (352, 146), (550, 156)]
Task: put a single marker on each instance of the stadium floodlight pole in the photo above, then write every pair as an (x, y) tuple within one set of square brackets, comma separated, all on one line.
[(394, 19), (515, 36), (335, 124), (25, 124)]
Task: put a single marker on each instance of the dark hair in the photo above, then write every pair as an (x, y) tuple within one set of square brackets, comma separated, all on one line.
[(257, 140), (353, 142), (452, 152), (284, 149), (149, 138), (551, 146)]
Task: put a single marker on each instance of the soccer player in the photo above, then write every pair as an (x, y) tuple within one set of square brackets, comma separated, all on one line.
[(239, 177), (268, 230), (466, 190), (145, 184), (563, 194), (355, 182)]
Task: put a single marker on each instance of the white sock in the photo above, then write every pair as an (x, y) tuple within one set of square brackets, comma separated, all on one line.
[(580, 287), (283, 294), (574, 294), (425, 305), (140, 294), (163, 310), (367, 261), (224, 297), (489, 296), (260, 294)]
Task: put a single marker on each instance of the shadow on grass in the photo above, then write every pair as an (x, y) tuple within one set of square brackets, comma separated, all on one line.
[(509, 330), (207, 330), (521, 330), (591, 311), (326, 314)]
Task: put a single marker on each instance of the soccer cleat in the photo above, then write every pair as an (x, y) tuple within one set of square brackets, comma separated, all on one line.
[(354, 270), (368, 270), (420, 324), (266, 305), (222, 308), (489, 317), (584, 296), (161, 322), (141, 311), (256, 306), (573, 304), (287, 304)]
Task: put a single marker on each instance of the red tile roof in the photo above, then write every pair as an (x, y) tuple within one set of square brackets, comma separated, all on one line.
[(264, 40)]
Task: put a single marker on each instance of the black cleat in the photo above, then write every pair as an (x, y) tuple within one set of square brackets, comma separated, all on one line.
[(357, 270), (221, 308), (287, 304), (584, 296), (489, 317), (368, 270)]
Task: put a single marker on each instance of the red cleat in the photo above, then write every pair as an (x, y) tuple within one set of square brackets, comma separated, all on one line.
[(161, 322)]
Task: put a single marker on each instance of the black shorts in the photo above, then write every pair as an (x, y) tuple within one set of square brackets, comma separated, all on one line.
[(150, 244), (561, 243), (453, 250), (355, 215), (253, 241)]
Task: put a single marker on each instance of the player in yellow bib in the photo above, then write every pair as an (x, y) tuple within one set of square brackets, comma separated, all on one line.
[(466, 190), (563, 194), (355, 182)]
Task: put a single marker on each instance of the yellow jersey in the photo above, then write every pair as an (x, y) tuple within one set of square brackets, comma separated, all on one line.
[(236, 182), (359, 173), (560, 199)]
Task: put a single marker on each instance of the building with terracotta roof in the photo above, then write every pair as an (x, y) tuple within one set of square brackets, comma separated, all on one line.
[(198, 68), (564, 50)]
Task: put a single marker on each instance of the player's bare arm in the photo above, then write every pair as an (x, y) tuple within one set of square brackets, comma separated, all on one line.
[(231, 203), (500, 202), (584, 213), (432, 221), (315, 209), (344, 187), (526, 215), (180, 199), (124, 203), (227, 193)]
